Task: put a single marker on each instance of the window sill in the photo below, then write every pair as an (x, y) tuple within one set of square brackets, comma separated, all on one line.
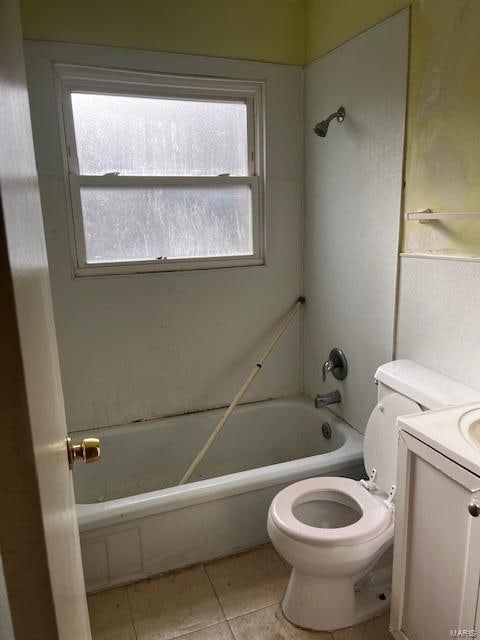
[(162, 266)]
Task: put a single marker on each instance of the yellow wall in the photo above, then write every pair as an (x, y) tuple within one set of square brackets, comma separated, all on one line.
[(329, 23), (443, 129), (270, 30), (443, 132)]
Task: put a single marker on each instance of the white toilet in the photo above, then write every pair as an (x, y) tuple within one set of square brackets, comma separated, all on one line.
[(335, 531)]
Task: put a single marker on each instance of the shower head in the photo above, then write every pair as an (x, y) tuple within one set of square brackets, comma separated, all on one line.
[(321, 128)]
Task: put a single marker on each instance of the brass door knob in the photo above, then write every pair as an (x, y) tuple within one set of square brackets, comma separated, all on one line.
[(88, 451)]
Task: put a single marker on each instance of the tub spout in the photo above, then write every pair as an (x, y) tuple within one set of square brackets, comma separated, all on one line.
[(323, 400)]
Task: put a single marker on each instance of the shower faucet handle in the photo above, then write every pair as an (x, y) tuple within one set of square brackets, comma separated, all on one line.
[(327, 367), (336, 365)]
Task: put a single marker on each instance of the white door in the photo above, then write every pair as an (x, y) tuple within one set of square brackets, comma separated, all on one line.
[(39, 540)]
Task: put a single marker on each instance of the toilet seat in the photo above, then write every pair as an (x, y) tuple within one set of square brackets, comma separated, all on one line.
[(374, 515)]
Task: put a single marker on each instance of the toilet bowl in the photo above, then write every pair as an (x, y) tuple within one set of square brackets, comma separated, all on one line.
[(334, 531)]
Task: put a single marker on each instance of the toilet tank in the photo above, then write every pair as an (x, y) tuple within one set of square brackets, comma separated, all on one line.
[(428, 388), (404, 387)]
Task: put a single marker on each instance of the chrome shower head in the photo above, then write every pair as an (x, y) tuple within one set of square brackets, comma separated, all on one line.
[(321, 128)]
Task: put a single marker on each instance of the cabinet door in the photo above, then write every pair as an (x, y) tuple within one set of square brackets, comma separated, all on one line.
[(436, 570)]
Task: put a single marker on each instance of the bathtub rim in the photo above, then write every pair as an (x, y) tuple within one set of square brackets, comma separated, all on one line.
[(93, 516)]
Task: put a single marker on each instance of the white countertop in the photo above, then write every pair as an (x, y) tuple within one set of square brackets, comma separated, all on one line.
[(440, 429)]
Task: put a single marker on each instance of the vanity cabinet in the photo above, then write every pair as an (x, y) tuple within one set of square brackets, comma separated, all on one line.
[(436, 571)]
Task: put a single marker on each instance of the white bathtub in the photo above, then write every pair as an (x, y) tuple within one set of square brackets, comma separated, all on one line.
[(134, 522)]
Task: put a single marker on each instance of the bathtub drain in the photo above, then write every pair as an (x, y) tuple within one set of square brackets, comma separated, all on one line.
[(326, 430)]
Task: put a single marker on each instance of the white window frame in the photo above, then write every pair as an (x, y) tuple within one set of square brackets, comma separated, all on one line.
[(73, 78)]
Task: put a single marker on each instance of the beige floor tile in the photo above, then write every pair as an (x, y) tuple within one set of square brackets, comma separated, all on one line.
[(249, 581), (174, 605), (270, 624), (110, 617), (217, 632), (375, 629)]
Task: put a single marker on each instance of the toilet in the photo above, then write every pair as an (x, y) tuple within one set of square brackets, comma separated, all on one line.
[(337, 533)]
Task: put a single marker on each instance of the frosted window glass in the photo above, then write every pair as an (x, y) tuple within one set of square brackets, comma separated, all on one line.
[(159, 137), (146, 223)]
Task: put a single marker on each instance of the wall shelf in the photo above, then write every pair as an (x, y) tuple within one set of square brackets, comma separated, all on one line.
[(430, 216)]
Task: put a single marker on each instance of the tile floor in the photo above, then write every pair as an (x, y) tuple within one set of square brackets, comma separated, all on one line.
[(236, 598)]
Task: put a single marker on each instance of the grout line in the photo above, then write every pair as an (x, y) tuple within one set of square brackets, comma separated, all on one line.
[(272, 604), (190, 633), (131, 613), (214, 590), (266, 606), (231, 630), (218, 600)]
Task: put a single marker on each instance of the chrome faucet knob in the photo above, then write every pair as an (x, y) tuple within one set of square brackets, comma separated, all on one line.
[(336, 365), (327, 367)]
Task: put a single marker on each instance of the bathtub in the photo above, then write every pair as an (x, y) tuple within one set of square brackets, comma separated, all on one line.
[(134, 522)]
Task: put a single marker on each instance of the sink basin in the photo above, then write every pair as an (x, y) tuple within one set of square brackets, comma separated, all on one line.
[(469, 425)]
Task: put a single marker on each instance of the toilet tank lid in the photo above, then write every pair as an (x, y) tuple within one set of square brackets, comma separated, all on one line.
[(425, 386)]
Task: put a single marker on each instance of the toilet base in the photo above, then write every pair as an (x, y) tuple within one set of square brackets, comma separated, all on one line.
[(327, 604)]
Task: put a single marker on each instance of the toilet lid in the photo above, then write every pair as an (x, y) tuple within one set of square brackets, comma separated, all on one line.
[(380, 444)]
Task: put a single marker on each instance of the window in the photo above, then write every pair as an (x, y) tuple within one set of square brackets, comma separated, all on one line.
[(164, 172)]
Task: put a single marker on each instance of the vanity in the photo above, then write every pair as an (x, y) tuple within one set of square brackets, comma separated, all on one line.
[(436, 570)]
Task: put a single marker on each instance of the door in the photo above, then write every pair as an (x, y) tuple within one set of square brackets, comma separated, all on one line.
[(42, 578)]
